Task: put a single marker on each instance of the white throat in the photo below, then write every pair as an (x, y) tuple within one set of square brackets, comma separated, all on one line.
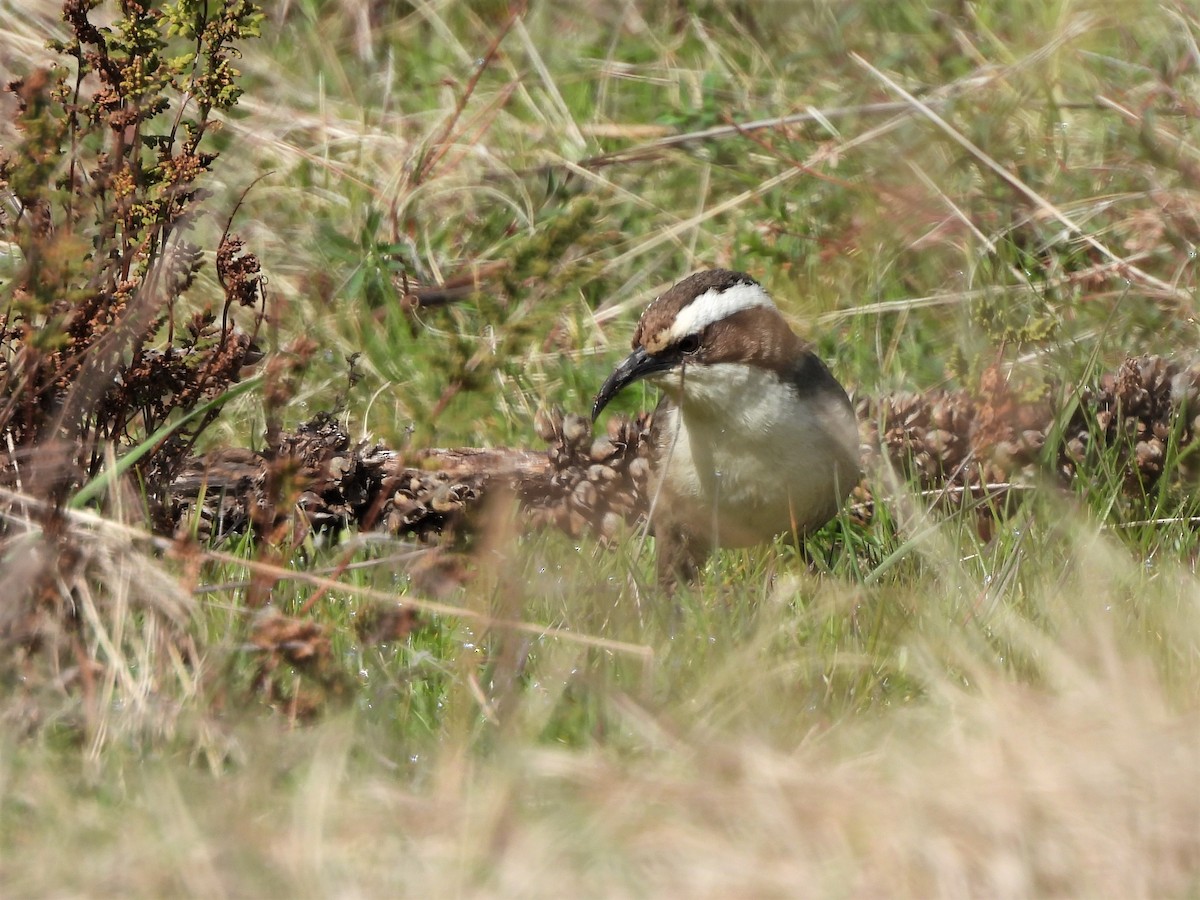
[(749, 457)]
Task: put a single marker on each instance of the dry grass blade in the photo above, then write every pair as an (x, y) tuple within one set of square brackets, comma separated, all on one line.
[(97, 632), (113, 530), (953, 298), (440, 144), (653, 149), (1123, 265)]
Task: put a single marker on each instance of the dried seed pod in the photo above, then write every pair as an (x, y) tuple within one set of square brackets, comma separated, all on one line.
[(584, 495), (572, 522), (603, 449), (310, 500), (601, 474), (938, 441), (610, 524), (403, 505), (443, 500), (576, 430), (562, 516), (1150, 455), (639, 470), (623, 503), (1033, 440), (547, 424)]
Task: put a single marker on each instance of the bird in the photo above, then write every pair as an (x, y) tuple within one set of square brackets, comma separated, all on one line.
[(753, 437)]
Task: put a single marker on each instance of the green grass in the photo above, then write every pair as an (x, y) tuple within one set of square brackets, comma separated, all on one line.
[(924, 713)]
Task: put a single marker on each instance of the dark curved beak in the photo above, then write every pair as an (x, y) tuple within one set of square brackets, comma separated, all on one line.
[(636, 366)]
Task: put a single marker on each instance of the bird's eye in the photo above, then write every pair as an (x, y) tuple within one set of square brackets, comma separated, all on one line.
[(690, 344)]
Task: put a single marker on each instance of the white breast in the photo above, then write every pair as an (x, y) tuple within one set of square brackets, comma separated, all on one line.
[(746, 457)]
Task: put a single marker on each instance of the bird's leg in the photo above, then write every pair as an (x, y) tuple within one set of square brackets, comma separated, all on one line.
[(680, 556), (806, 554)]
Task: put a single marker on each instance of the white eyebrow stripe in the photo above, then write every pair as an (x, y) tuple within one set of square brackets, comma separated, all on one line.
[(713, 306)]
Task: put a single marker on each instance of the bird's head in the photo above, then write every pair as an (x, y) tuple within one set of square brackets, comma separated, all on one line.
[(708, 328)]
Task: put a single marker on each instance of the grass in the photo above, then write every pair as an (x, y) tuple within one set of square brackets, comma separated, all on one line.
[(930, 713)]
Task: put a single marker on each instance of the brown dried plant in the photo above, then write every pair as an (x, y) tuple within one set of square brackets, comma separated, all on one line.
[(109, 337), (102, 336)]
